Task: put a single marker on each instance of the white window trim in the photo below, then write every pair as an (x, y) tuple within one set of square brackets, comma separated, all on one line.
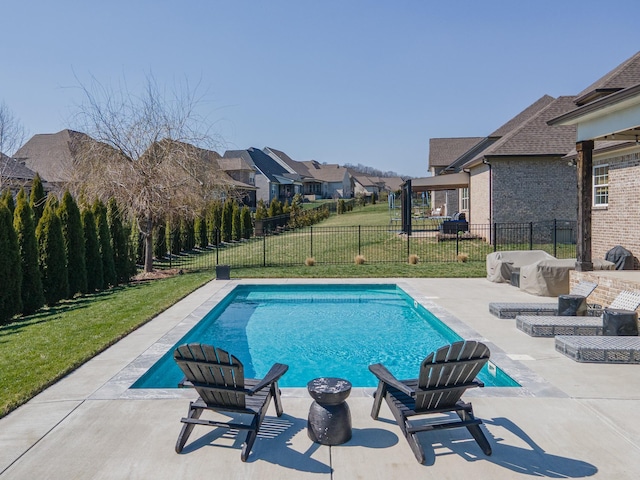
[(600, 185)]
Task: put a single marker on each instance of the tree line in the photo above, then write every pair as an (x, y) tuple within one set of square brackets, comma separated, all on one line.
[(53, 249)]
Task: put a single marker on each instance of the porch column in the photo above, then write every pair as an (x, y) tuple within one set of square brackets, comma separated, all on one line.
[(584, 169)]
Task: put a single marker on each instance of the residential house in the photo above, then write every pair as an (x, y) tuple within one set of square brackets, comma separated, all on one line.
[(319, 180), (52, 156), (443, 152), (335, 181), (14, 174), (518, 173), (242, 178), (272, 180), (607, 157)]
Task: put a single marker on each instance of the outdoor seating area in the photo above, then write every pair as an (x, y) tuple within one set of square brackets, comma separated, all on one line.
[(91, 421)]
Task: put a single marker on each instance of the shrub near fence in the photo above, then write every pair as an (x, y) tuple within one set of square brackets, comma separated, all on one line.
[(378, 244)]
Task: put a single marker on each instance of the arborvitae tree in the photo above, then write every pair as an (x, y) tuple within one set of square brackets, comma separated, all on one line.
[(236, 226), (38, 199), (245, 220), (104, 238), (275, 208), (261, 210), (10, 273), (135, 248), (173, 238), (200, 231), (118, 242), (226, 224), (32, 296), (160, 241), (7, 199), (214, 221), (52, 255), (187, 236), (93, 260), (73, 235)]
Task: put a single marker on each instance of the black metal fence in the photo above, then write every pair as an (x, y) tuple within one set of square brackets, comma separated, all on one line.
[(378, 244)]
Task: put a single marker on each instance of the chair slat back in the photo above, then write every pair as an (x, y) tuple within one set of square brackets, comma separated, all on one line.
[(584, 288), (626, 300), (217, 376), (448, 372)]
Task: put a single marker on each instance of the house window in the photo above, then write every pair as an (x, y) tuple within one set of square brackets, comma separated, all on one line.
[(600, 185), (464, 198)]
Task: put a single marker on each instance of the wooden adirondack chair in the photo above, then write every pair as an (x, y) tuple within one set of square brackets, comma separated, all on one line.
[(443, 378), (219, 380)]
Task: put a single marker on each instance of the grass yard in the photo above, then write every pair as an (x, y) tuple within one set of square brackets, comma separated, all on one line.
[(40, 349)]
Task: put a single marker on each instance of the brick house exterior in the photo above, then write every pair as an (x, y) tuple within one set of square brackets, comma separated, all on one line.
[(607, 117)]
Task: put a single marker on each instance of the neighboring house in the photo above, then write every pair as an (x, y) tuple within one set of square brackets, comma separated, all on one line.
[(271, 178), (516, 174), (14, 175), (319, 180), (242, 178), (335, 181), (443, 152), (52, 156), (607, 157), (364, 185)]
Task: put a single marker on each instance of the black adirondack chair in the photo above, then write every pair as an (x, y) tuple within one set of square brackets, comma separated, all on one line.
[(219, 380), (443, 378)]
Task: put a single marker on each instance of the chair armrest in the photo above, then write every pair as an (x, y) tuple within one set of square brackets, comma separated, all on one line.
[(273, 375), (387, 377)]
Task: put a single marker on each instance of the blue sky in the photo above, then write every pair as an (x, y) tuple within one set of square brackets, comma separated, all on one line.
[(348, 81)]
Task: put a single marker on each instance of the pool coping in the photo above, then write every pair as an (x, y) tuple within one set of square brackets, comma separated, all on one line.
[(118, 387)]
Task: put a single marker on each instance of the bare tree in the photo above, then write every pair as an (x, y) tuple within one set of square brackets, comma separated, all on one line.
[(149, 152), (12, 136)]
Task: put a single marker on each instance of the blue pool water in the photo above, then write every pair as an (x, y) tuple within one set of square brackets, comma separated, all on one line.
[(319, 330)]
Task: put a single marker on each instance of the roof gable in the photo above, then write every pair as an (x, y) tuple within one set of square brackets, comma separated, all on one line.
[(624, 75), (535, 137), (444, 151), (52, 154), (523, 116)]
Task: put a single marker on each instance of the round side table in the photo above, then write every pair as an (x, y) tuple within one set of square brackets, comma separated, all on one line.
[(329, 421)]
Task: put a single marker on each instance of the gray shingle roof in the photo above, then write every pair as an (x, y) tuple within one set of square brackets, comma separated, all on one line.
[(14, 170), (325, 172), (52, 154), (624, 75), (444, 151), (534, 136), (523, 116)]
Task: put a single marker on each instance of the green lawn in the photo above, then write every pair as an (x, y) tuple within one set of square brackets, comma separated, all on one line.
[(40, 349)]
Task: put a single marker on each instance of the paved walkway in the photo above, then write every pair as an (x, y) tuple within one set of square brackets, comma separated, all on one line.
[(570, 420)]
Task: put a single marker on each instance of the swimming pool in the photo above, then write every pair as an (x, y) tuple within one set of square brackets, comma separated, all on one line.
[(319, 330)]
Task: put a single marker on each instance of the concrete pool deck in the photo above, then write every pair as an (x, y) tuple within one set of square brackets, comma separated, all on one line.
[(570, 420)]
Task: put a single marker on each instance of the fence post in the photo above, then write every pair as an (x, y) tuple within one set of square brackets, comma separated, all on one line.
[(530, 235), (494, 227), (216, 239), (457, 242), (311, 240), (408, 246), (170, 249), (359, 242), (264, 250), (555, 238)]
